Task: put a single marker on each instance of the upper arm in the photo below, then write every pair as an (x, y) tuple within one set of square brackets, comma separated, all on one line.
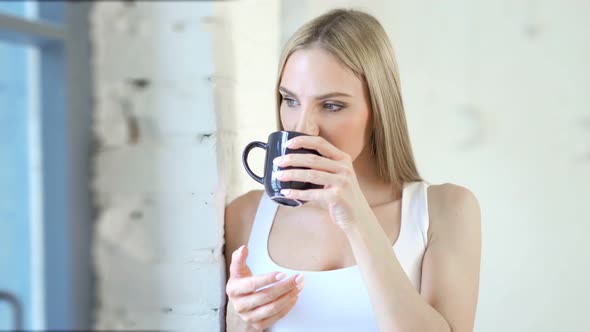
[(451, 265), (239, 216)]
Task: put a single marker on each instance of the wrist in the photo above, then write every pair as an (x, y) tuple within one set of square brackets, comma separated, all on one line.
[(355, 230), (363, 229)]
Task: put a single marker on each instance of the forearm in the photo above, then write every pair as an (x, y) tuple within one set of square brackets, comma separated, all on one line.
[(396, 303)]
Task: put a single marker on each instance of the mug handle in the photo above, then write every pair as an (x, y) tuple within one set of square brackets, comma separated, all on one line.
[(247, 149)]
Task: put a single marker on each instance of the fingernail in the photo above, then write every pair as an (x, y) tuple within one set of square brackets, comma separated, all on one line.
[(285, 191), (300, 282), (279, 174), (289, 143), (241, 250), (299, 279), (280, 276), (277, 160)]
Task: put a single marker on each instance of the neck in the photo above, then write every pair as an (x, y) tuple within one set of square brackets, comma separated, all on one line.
[(376, 191)]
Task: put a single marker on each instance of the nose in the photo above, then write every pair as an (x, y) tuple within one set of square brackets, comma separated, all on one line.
[(307, 122)]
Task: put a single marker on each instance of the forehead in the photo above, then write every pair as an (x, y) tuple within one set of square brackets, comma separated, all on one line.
[(316, 71)]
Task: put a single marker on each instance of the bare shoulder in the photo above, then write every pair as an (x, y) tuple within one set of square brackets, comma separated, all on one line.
[(452, 209), (239, 217), (441, 197), (451, 263)]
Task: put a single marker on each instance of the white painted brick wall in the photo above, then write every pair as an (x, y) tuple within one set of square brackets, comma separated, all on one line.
[(180, 88), (158, 236)]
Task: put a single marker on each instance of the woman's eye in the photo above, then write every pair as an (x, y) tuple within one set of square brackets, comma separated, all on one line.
[(290, 102), (333, 107)]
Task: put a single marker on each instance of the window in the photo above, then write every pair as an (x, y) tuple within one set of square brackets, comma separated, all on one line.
[(44, 147), (17, 221), (14, 8)]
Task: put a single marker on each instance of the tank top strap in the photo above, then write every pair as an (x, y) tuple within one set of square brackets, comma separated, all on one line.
[(415, 212)]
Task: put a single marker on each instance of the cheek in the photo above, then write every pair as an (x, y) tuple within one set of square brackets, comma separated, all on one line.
[(349, 134), (288, 119)]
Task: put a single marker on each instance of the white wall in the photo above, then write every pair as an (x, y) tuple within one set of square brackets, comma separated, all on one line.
[(170, 153), (496, 95), (246, 66), (158, 235)]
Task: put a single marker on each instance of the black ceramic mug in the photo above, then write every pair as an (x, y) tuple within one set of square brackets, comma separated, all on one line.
[(275, 147)]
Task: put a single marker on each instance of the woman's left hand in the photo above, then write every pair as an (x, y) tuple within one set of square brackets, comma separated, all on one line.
[(341, 194)]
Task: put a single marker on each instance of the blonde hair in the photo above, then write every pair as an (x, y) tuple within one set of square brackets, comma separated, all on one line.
[(360, 42)]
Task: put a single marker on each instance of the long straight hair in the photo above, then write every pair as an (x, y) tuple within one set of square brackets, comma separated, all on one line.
[(359, 41)]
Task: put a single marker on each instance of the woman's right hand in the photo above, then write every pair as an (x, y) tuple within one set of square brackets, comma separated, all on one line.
[(260, 309)]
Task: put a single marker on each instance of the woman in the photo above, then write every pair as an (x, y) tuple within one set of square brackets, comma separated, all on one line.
[(329, 265)]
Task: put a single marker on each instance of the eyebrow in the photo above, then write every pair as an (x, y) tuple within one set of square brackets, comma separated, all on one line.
[(324, 96)]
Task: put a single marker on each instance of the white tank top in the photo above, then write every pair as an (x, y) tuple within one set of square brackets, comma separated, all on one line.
[(337, 300)]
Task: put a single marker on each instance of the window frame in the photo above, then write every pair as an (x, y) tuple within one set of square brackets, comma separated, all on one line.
[(60, 33)]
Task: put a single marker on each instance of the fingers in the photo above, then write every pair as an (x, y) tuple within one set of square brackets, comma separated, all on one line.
[(273, 311), (319, 144), (267, 322), (243, 286), (252, 300), (308, 160), (312, 176), (237, 267), (328, 195), (247, 303)]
